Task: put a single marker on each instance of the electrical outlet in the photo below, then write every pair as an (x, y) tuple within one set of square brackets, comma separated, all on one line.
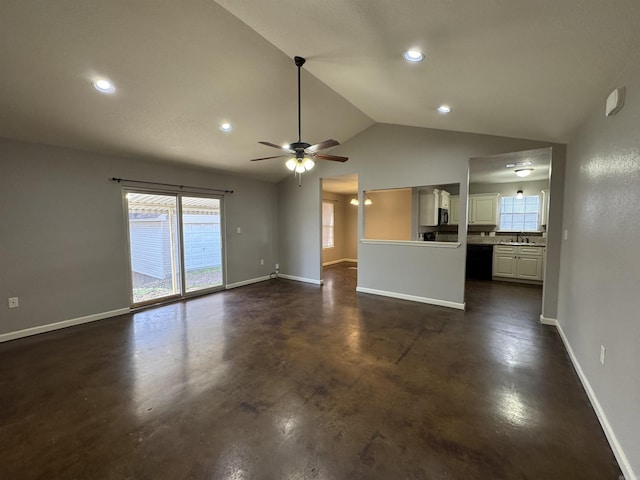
[(602, 354), (13, 302), (238, 230), (566, 234), (277, 266), (262, 261)]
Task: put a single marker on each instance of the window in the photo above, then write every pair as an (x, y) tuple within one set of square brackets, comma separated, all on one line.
[(327, 225), (519, 214)]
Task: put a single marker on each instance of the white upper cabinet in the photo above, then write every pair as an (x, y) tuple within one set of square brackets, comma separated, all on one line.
[(454, 209), (431, 199), (544, 207), (483, 209)]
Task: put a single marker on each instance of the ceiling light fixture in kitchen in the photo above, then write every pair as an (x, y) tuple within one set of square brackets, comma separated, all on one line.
[(444, 109), (104, 86), (413, 55), (519, 164), (524, 172), (519, 194), (225, 127)]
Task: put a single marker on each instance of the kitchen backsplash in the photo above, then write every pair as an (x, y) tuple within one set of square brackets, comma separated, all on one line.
[(533, 237)]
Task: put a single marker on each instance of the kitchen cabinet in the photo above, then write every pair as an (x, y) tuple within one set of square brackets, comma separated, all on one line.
[(430, 201), (454, 209), (544, 207), (483, 209), (518, 262)]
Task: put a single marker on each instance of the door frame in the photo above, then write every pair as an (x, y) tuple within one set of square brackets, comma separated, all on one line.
[(183, 294)]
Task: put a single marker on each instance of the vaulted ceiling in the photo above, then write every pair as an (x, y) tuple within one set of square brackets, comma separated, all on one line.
[(506, 67)]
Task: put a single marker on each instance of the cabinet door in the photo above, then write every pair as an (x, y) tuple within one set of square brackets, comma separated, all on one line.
[(444, 199), (544, 207), (454, 210), (529, 267), (484, 210), (504, 265)]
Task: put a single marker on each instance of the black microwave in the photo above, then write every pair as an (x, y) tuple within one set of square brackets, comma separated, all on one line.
[(443, 216)]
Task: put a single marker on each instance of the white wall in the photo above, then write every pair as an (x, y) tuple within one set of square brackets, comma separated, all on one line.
[(391, 156), (600, 264), (63, 246)]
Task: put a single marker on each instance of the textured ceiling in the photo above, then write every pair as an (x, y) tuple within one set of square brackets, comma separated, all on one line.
[(507, 67)]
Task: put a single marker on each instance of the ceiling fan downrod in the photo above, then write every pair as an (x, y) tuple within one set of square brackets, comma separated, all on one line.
[(299, 61)]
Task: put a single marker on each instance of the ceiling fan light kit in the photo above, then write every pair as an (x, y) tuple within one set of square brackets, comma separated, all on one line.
[(304, 154)]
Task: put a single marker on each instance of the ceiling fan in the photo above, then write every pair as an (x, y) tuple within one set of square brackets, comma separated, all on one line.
[(302, 154)]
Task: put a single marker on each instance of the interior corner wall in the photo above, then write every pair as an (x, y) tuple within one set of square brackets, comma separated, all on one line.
[(350, 230), (63, 237), (389, 156), (600, 265)]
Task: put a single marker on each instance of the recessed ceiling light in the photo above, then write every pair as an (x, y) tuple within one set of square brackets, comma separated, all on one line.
[(444, 108), (413, 56), (104, 86), (524, 172), (225, 127)]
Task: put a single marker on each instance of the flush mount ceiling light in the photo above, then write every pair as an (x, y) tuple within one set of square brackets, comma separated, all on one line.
[(225, 127), (444, 109), (524, 172), (104, 86), (519, 194), (413, 56)]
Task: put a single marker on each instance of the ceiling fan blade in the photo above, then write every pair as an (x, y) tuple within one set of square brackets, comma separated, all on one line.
[(267, 158), (323, 145), (279, 147), (335, 158)]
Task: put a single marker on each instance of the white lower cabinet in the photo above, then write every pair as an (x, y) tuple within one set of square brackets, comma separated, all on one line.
[(518, 262)]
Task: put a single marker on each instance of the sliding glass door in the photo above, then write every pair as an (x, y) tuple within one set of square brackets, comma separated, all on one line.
[(202, 241), (175, 245)]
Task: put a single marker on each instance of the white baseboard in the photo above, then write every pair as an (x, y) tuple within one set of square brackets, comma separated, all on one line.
[(342, 260), (300, 279), (247, 282), (63, 324), (623, 461), (548, 321), (413, 298)]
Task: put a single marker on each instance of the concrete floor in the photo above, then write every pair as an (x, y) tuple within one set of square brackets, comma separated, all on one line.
[(285, 380)]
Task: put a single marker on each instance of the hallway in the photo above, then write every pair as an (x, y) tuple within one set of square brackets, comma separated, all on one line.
[(282, 379)]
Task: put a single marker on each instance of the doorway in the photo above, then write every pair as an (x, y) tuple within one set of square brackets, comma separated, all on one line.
[(175, 245), (507, 241), (339, 221)]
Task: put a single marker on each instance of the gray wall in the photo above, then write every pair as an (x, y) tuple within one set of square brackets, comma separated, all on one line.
[(390, 156), (600, 264), (63, 245)]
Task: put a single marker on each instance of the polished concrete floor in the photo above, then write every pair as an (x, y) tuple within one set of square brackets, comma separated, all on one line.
[(285, 380)]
